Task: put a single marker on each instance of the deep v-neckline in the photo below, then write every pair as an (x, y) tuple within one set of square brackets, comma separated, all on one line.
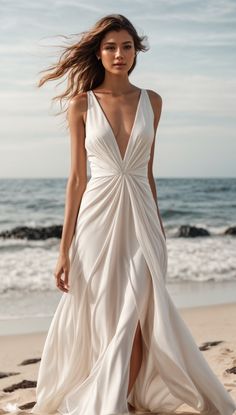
[(111, 129)]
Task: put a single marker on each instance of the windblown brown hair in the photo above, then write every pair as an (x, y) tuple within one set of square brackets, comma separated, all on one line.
[(85, 71)]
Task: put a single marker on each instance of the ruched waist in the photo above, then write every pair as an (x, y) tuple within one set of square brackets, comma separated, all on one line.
[(98, 171)]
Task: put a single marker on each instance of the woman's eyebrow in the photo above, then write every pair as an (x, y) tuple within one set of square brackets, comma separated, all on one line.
[(113, 43)]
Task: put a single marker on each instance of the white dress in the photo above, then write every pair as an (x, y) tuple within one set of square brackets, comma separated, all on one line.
[(117, 277)]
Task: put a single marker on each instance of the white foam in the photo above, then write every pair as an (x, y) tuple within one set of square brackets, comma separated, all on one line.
[(201, 258)]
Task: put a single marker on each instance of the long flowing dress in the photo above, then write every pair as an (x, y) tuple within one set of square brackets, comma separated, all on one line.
[(117, 278)]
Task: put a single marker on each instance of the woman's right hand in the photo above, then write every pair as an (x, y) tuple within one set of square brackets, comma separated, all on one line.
[(62, 267)]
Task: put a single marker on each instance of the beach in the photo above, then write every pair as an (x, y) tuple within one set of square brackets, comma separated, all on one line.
[(215, 323)]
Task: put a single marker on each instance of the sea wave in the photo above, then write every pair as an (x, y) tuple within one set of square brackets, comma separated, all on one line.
[(31, 268)]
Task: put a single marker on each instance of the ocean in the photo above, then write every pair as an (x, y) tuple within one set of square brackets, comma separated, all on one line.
[(196, 266)]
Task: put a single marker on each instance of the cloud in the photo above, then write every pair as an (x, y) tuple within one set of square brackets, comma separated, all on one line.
[(206, 12), (197, 39), (190, 64)]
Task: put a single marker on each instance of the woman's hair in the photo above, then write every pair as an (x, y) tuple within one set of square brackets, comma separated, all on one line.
[(85, 71)]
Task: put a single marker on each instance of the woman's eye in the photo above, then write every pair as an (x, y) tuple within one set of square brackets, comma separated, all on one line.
[(113, 47)]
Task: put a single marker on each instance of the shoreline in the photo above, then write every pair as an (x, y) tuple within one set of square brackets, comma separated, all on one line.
[(186, 312), (42, 306)]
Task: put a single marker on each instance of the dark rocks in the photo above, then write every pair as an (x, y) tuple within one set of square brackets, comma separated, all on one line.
[(21, 385), (232, 370), (187, 231), (208, 345), (26, 232), (27, 405), (230, 231), (55, 231), (6, 374), (29, 361)]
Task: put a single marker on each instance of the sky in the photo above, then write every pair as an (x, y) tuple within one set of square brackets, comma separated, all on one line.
[(191, 64)]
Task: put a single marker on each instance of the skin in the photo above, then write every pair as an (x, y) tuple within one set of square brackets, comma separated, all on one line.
[(118, 99)]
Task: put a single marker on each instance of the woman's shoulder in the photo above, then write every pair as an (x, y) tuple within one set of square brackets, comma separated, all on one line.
[(154, 96), (78, 103), (156, 102)]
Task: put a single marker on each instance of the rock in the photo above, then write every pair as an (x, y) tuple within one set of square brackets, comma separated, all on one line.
[(208, 345), (187, 231), (6, 374), (230, 231), (232, 370), (29, 361), (27, 405), (21, 385), (26, 232)]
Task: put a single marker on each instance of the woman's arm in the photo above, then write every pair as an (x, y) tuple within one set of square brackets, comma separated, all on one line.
[(156, 102), (77, 180), (76, 185)]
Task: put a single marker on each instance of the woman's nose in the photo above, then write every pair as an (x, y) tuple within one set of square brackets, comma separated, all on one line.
[(118, 53)]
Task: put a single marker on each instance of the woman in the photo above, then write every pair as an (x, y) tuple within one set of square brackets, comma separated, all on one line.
[(116, 342)]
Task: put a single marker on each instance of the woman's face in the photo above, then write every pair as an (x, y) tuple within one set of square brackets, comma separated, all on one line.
[(117, 51)]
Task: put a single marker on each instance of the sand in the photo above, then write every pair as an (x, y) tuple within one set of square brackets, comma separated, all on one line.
[(206, 323)]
